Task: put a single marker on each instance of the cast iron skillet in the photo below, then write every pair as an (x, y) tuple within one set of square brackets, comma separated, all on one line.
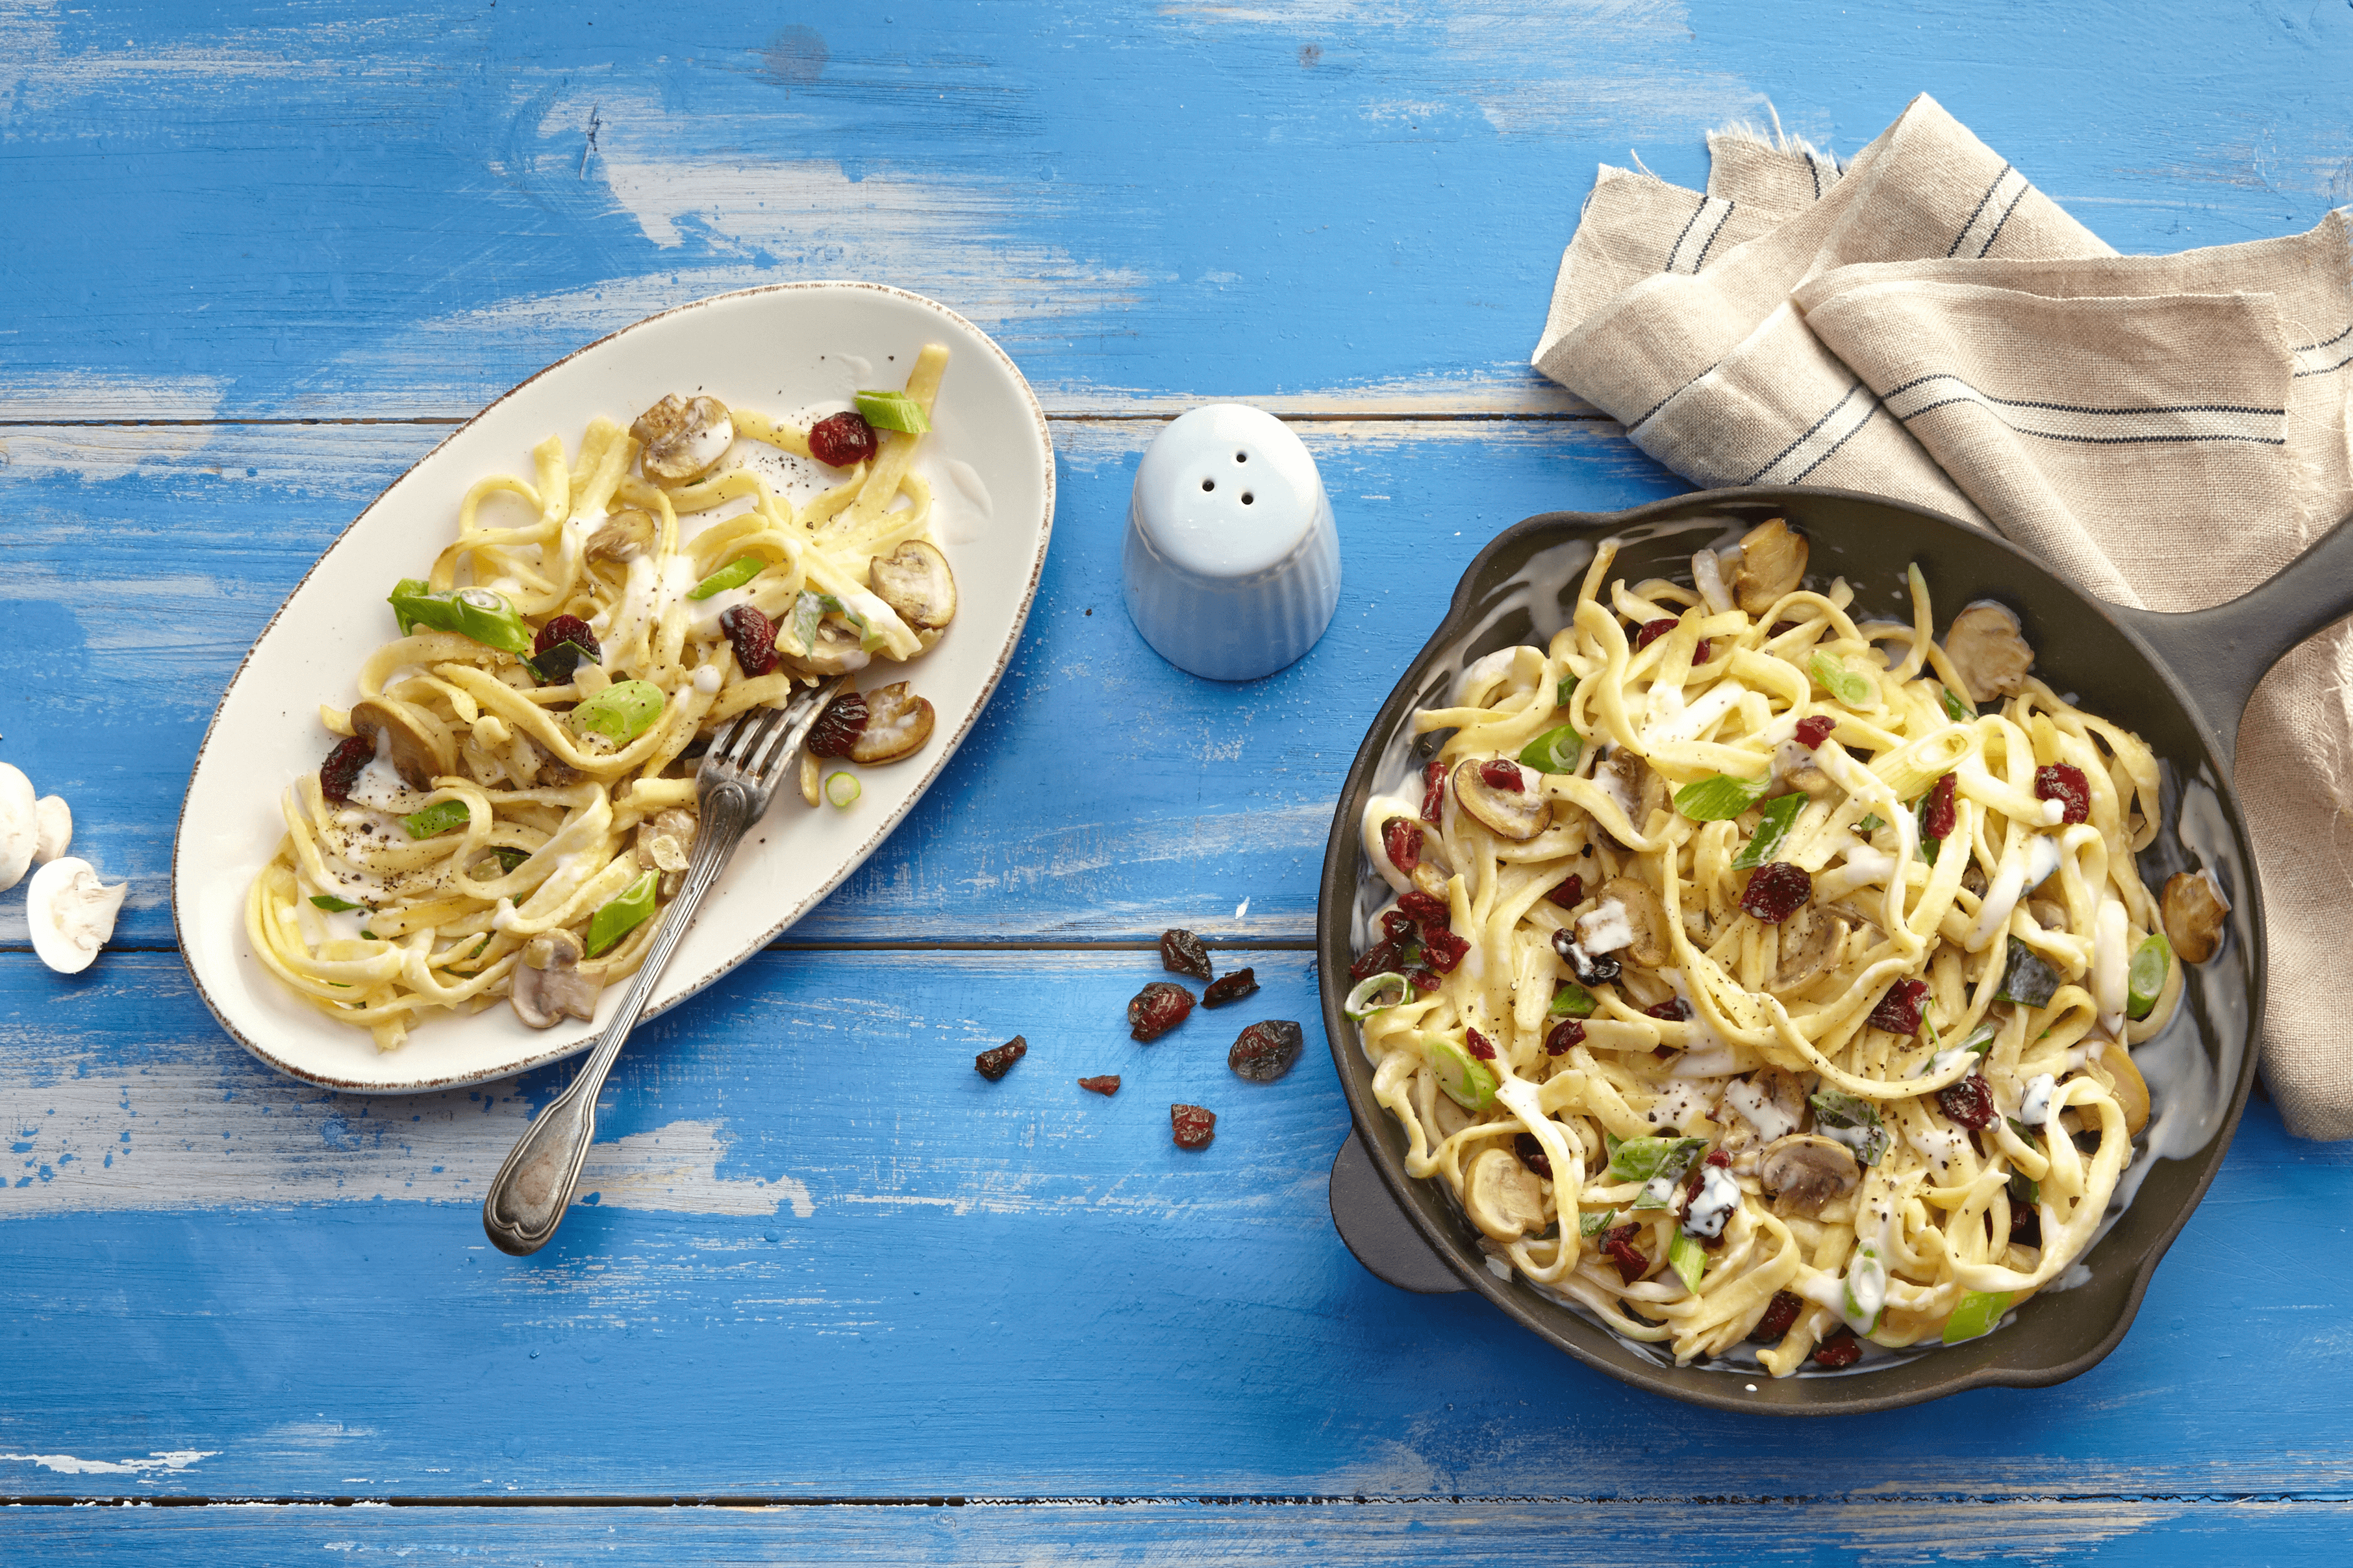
[(2118, 663)]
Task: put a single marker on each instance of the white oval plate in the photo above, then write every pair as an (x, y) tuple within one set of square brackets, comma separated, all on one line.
[(779, 350)]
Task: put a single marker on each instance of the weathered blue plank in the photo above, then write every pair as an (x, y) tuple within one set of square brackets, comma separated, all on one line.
[(1102, 788), (828, 1259), (2145, 1532), (342, 211)]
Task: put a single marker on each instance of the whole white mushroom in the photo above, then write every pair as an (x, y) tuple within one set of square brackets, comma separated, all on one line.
[(52, 826), (20, 832), (71, 913)]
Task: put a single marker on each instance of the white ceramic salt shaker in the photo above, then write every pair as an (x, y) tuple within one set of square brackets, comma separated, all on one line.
[(1232, 562)]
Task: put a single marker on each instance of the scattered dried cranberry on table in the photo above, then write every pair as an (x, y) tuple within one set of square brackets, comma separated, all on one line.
[(1781, 1317), (754, 636), (1969, 1102), (341, 768), (1899, 1011), (1191, 1126), (1156, 1009), (1531, 1152), (1569, 893), (1841, 1349), (842, 440), (1232, 987), (1776, 892), (837, 728), (998, 1060), (2065, 784), (1265, 1051), (1181, 953), (1401, 841), (1106, 1085), (1814, 728)]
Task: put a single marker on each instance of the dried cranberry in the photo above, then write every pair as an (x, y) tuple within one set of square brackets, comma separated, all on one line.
[(1398, 926), (842, 440), (1619, 1248), (1107, 1085), (1192, 1126), (1422, 980), (998, 1060), (563, 630), (1699, 654), (1379, 959), (1673, 1010), (1443, 950), (1569, 894), (1532, 1154), (1719, 1159), (1433, 791), (341, 768), (1566, 1032), (1781, 1317), (1401, 841), (1266, 1050), (1479, 1044), (1590, 968), (1181, 953), (1938, 817), (1156, 1009), (1814, 728), (755, 637), (1427, 908), (1841, 1349), (1899, 1011), (2025, 1224), (837, 728), (1781, 628), (1232, 988), (1776, 892), (1969, 1102), (1501, 774), (1652, 631), (2065, 783)]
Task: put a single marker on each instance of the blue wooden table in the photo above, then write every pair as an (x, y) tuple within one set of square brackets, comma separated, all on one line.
[(257, 260)]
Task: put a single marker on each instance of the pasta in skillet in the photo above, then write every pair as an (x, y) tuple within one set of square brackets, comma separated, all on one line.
[(1747, 983), (513, 801)]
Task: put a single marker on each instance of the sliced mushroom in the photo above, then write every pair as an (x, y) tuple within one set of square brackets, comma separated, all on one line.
[(1801, 1173), (2131, 1090), (419, 753), (914, 580), (547, 984), (1988, 652), (1638, 787), (1515, 814), (20, 829), (53, 826), (836, 652), (1810, 945), (1645, 916), (682, 440), (2194, 907), (625, 536), (1973, 877), (2049, 915), (898, 722), (1772, 565), (1428, 879), (71, 913), (1807, 780), (1504, 1198), (1768, 1105), (666, 839)]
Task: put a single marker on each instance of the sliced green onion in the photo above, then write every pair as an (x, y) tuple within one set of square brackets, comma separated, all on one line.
[(808, 609), (1366, 999), (1959, 711), (475, 613), (2027, 978), (735, 574), (1555, 750), (1571, 1001), (622, 713), (1980, 1040), (508, 859), (561, 662), (893, 411), (1645, 1159), (2151, 961), (1720, 798), (1468, 1081), (2023, 1188), (625, 912), (1687, 1258), (1978, 1313), (1870, 823), (1846, 685), (2026, 1134), (370, 936), (1562, 693), (437, 818), (843, 789), (1780, 815), (1853, 1123), (329, 901), (1591, 1223)]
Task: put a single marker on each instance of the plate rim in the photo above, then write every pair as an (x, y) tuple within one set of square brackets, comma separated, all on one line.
[(881, 830)]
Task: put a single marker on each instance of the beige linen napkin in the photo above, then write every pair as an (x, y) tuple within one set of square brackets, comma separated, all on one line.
[(2166, 430)]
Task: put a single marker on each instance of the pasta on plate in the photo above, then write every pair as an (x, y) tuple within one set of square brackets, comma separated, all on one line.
[(513, 801), (1752, 988)]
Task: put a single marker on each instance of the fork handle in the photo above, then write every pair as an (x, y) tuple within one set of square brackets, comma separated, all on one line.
[(528, 1196)]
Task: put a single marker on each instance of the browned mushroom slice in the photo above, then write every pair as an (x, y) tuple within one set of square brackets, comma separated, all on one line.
[(421, 753), (1645, 917), (914, 580), (836, 651), (2131, 1089), (547, 984), (1517, 812), (625, 536), (1801, 1173), (683, 440), (1772, 565), (2194, 910), (1988, 652), (1504, 1197), (1635, 785), (666, 839), (1768, 1105), (1810, 945), (898, 722)]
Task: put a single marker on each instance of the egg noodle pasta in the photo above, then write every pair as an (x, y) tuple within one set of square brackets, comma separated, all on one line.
[(512, 803), (1746, 981)]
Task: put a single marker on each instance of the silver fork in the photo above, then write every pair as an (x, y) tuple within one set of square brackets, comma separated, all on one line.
[(738, 778)]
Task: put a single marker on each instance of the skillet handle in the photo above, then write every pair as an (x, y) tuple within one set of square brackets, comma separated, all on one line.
[(1377, 1231), (2222, 653)]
